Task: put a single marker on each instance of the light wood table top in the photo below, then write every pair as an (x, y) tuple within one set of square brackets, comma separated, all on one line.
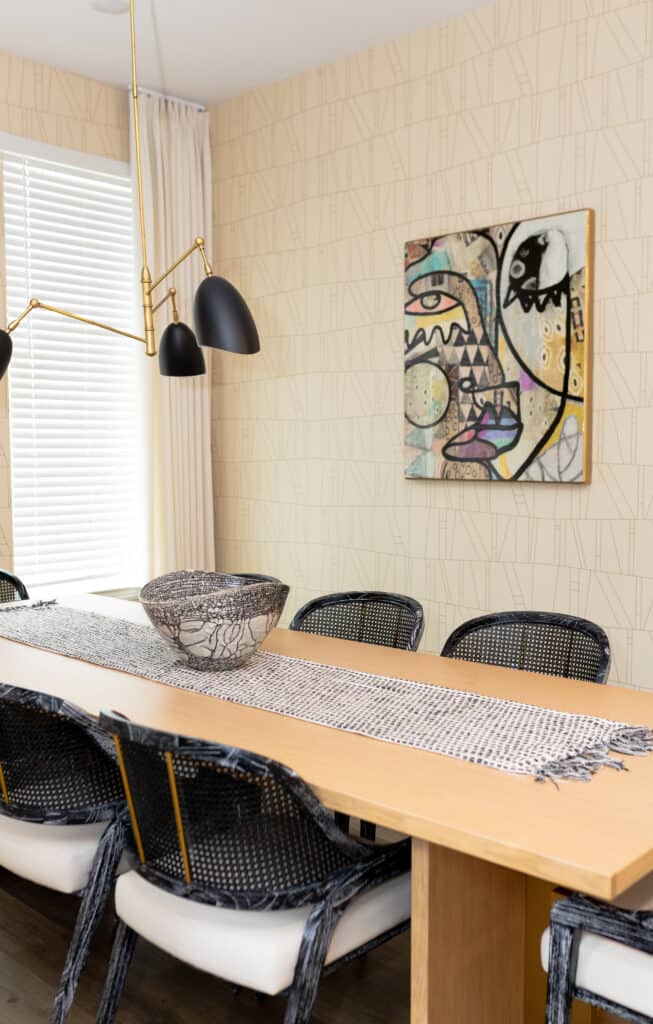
[(597, 836)]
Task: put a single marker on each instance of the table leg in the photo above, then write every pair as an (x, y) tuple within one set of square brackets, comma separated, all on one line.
[(468, 939), (476, 934)]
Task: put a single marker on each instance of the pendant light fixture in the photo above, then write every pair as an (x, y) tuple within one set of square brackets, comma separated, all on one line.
[(222, 317), (179, 353)]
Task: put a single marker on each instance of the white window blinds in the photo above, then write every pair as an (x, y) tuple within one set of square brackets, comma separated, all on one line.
[(76, 392)]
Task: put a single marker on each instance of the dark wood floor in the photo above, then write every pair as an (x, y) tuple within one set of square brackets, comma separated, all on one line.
[(35, 926)]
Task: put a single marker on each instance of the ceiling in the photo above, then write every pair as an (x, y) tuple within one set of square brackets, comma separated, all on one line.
[(206, 50)]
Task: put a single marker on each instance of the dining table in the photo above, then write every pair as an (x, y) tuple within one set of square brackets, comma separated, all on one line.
[(490, 850)]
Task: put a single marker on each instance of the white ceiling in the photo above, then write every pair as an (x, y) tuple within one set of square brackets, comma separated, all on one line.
[(205, 50)]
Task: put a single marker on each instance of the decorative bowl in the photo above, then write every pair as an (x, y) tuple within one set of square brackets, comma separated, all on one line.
[(218, 620)]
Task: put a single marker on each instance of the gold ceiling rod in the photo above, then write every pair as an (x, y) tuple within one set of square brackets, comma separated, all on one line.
[(222, 317), (147, 285)]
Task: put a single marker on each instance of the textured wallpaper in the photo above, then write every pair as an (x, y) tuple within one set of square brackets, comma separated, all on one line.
[(521, 109), (42, 103)]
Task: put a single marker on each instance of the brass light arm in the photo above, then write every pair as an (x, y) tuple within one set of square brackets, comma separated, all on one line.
[(37, 304), (170, 296), (19, 319), (208, 269), (198, 245), (221, 316)]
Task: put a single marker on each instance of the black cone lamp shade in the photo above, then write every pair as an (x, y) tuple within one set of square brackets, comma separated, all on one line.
[(223, 319), (179, 353), (6, 348)]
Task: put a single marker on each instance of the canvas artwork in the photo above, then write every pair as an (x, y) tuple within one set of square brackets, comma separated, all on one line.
[(496, 352)]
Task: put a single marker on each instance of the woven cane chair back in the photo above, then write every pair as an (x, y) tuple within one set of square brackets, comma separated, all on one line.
[(373, 617), (55, 764), (558, 645), (239, 829), (11, 588)]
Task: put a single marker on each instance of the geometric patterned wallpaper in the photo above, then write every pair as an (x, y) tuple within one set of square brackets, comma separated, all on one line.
[(48, 105), (518, 110), (43, 103)]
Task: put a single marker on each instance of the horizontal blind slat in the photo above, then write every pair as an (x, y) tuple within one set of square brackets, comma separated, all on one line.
[(76, 393)]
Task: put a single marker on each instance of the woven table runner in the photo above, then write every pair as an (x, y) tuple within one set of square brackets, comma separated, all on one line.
[(513, 737)]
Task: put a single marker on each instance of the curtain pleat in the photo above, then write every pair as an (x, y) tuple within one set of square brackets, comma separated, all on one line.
[(176, 157)]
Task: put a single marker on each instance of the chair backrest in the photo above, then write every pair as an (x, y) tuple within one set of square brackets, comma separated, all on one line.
[(373, 617), (56, 764), (257, 577), (11, 588), (556, 645), (219, 824)]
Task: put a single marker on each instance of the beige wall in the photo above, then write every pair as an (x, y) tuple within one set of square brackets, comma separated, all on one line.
[(49, 105), (42, 103), (521, 109)]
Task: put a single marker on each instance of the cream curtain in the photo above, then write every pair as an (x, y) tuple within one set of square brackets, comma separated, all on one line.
[(6, 528), (176, 158)]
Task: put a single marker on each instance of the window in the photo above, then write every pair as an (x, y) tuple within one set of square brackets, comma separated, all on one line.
[(76, 393)]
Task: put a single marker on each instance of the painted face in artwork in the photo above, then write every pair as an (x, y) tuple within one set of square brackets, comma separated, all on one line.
[(454, 384), (494, 357)]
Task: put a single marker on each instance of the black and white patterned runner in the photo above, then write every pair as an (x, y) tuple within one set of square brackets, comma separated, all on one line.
[(513, 737)]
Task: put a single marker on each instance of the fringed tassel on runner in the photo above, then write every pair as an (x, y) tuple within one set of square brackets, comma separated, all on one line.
[(635, 741), (632, 740), (30, 605)]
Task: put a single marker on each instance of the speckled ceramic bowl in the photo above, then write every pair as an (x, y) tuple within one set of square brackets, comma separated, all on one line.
[(217, 620)]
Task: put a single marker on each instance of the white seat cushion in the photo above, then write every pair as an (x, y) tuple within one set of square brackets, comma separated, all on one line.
[(611, 969), (257, 949), (57, 856)]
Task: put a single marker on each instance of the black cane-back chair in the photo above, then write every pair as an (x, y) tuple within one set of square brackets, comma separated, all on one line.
[(602, 954), (11, 588), (257, 577), (63, 817), (373, 617), (556, 645), (243, 873)]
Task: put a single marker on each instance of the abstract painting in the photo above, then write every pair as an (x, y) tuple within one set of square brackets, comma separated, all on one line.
[(496, 352)]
